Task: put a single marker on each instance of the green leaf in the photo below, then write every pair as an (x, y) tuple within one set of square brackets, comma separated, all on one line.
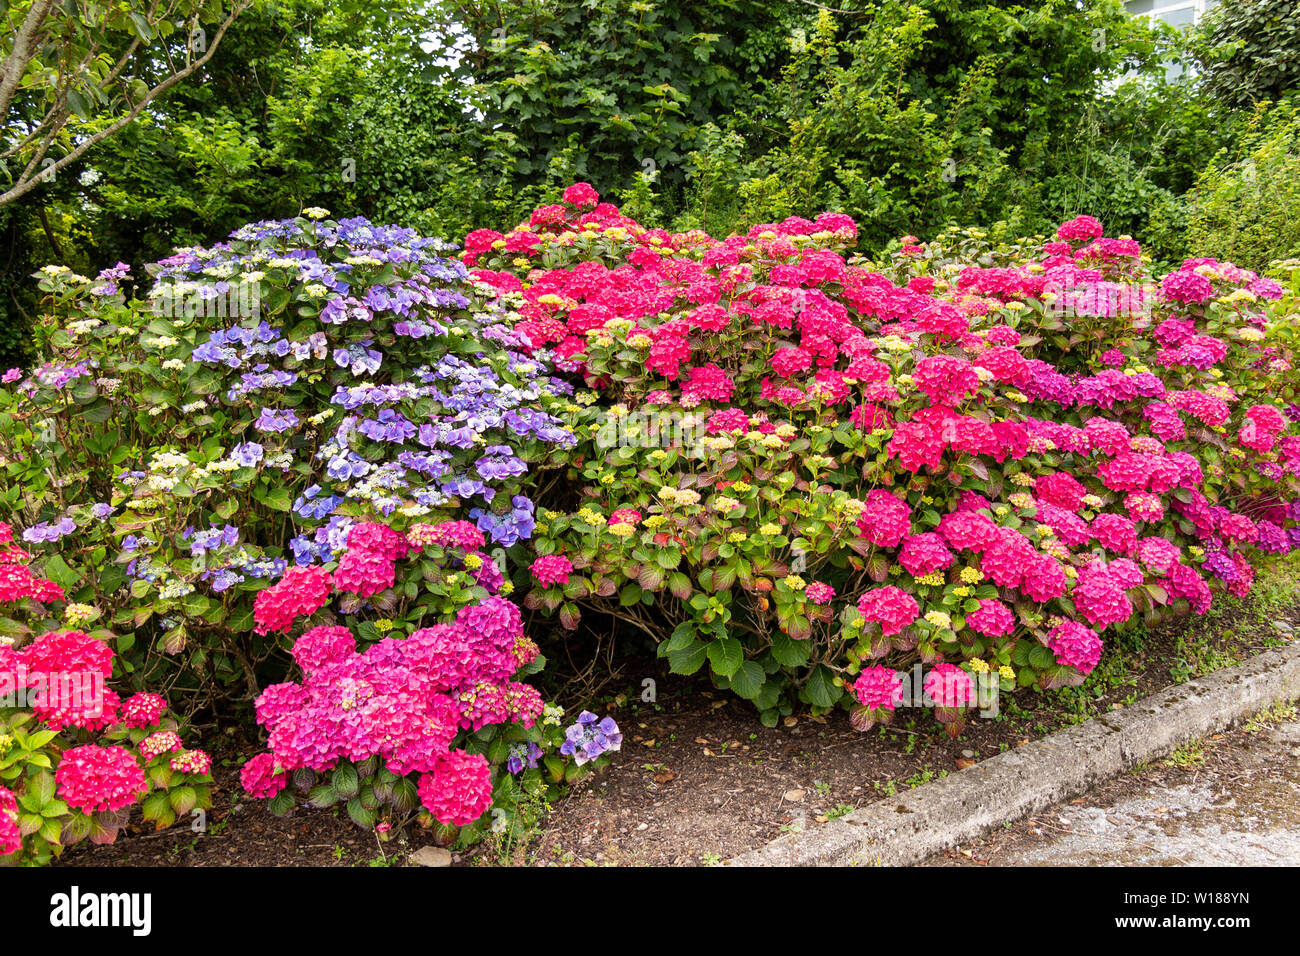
[(322, 796), (41, 786), (668, 558), (406, 796), (241, 620), (726, 656), (360, 815), (789, 652), (277, 499), (1040, 658), (58, 571), (142, 28), (345, 781), (821, 689), (689, 659), (683, 636), (183, 800), (281, 803), (748, 680)]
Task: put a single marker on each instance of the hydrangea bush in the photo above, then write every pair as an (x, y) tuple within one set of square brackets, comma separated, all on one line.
[(306, 468), (807, 471), (247, 455), (75, 757), (212, 450), (429, 725)]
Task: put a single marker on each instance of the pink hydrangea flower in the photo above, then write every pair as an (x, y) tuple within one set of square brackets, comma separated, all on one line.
[(992, 618), (365, 573), (1075, 645), (878, 688), (194, 762), (11, 838), (322, 646), (142, 710), (924, 554), (300, 593), (163, 742), (551, 569), (885, 519), (949, 686), (891, 607), (92, 778), (582, 195), (261, 778), (459, 790), (819, 593)]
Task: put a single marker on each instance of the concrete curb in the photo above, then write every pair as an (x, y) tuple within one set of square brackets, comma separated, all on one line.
[(905, 829)]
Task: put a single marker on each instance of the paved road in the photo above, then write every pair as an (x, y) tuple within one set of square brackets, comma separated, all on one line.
[(1237, 806)]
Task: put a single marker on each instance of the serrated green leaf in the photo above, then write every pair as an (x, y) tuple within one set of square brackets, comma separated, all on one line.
[(689, 659), (726, 656), (748, 680)]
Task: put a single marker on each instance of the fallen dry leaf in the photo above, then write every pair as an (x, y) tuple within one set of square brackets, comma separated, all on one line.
[(963, 763)]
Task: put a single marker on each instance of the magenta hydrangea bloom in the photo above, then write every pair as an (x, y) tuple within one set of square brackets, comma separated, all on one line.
[(892, 608), (949, 686), (459, 790), (551, 569), (992, 618), (878, 688), (92, 778), (11, 838), (260, 777), (1075, 645)]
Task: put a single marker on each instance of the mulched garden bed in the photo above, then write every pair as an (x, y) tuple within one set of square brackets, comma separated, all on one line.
[(700, 780)]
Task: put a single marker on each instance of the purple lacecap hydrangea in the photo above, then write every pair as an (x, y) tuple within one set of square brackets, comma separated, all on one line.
[(590, 738), (201, 542), (276, 420), (445, 432), (523, 755), (248, 454), (47, 531)]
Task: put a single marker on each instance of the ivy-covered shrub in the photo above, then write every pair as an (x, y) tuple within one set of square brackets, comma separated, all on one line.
[(75, 757), (808, 474)]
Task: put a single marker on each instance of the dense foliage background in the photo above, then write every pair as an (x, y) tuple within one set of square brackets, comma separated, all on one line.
[(446, 115)]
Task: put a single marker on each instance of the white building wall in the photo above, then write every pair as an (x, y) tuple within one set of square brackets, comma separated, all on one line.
[(1179, 13)]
